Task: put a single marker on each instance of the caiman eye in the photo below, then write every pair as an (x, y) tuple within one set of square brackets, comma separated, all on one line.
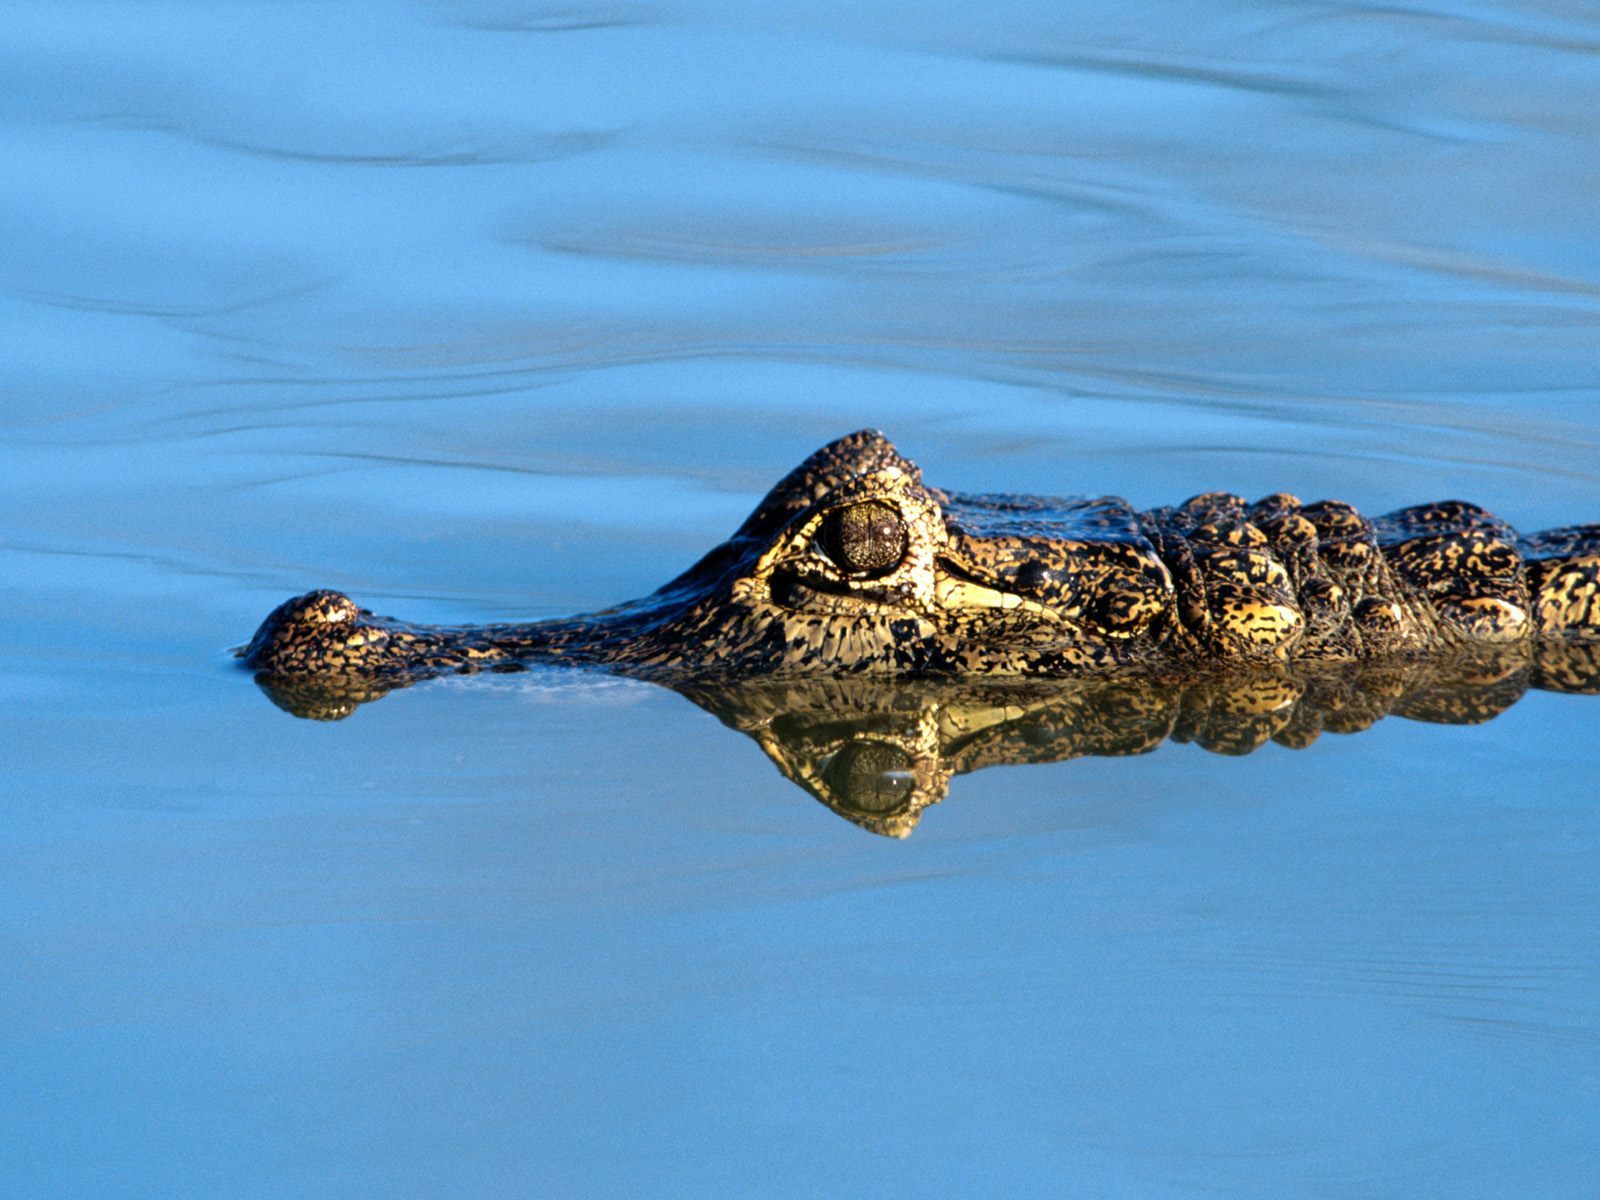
[(865, 539)]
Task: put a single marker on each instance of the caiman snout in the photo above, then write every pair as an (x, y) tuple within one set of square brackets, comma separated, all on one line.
[(312, 627), (326, 634)]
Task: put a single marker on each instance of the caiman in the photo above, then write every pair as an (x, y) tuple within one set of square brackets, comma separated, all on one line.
[(852, 565)]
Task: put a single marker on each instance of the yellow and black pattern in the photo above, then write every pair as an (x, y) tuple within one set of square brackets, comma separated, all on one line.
[(852, 566), (879, 752)]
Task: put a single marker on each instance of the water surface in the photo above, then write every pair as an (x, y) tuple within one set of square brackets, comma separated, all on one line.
[(494, 309)]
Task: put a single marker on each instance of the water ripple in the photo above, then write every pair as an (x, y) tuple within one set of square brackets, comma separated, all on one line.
[(462, 151)]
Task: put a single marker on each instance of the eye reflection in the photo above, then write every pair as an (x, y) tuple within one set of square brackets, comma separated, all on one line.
[(870, 777), (865, 539)]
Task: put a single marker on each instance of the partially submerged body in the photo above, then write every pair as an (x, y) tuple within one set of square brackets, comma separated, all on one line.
[(851, 565)]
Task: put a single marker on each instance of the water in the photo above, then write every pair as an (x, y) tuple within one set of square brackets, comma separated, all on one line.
[(482, 310)]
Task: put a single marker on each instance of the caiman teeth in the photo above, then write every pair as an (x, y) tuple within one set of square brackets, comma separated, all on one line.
[(950, 591)]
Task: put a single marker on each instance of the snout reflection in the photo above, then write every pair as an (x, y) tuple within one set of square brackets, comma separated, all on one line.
[(879, 752)]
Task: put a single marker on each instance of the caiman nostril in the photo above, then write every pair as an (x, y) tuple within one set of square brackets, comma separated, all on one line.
[(1031, 576), (327, 608)]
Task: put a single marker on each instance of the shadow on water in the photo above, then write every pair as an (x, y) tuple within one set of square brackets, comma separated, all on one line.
[(879, 752)]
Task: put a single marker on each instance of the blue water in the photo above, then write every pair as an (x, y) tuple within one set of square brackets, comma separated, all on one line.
[(490, 309)]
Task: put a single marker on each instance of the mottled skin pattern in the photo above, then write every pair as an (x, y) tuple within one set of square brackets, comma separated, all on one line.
[(878, 750), (879, 754), (851, 565)]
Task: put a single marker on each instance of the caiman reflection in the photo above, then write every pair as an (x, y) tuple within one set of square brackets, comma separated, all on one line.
[(878, 752)]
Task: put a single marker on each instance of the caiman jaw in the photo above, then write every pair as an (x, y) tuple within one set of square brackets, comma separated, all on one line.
[(961, 593)]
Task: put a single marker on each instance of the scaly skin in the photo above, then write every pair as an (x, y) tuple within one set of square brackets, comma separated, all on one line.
[(879, 753), (851, 565), (878, 750)]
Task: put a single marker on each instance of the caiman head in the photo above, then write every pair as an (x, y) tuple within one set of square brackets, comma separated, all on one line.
[(850, 565)]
